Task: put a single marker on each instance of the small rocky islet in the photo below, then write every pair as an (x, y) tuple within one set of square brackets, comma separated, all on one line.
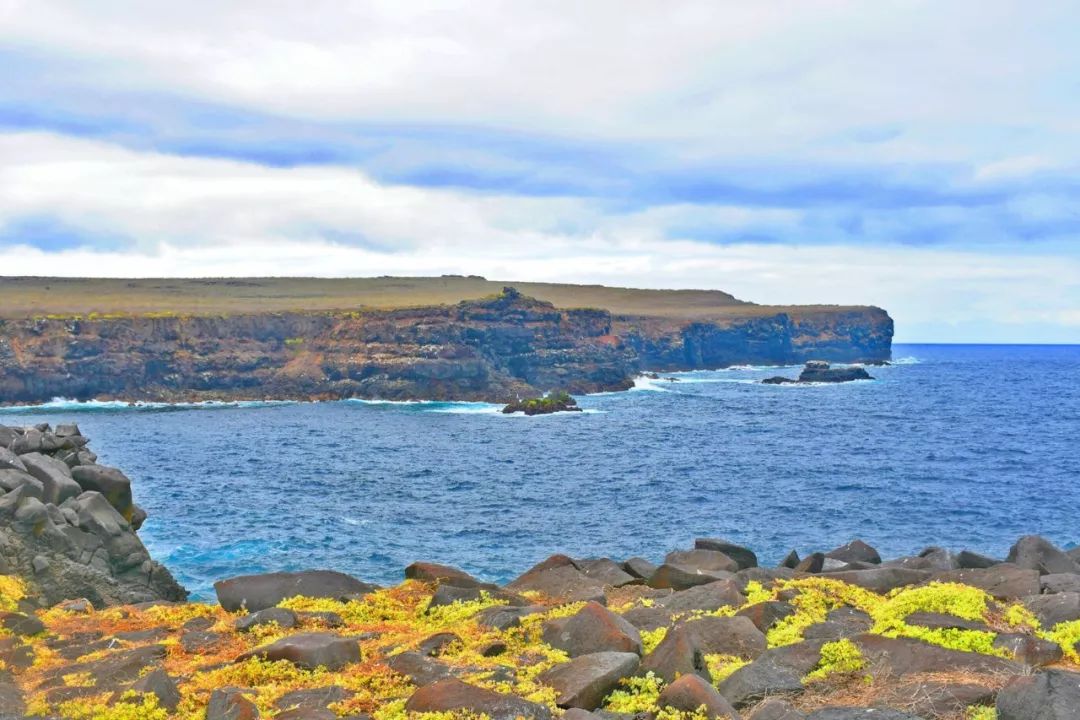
[(819, 371), (92, 629)]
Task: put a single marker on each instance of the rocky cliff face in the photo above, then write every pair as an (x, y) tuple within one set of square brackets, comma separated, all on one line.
[(493, 349), (68, 525)]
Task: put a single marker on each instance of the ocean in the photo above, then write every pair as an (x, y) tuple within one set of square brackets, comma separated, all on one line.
[(956, 445)]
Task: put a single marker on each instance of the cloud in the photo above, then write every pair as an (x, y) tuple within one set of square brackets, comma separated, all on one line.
[(917, 155), (198, 216)]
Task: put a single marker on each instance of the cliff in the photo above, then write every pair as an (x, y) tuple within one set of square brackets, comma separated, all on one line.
[(497, 348)]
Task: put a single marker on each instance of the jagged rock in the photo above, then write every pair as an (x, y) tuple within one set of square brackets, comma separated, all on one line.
[(1029, 649), (639, 568), (791, 560), (230, 704), (677, 577), (904, 656), (593, 629), (435, 644), (284, 618), (855, 551), (648, 618), (503, 617), (1059, 583), (690, 693), (1054, 609), (606, 571), (585, 681), (15, 480), (766, 614), (813, 563), (1048, 695), (940, 621), (709, 597), (420, 669), (21, 624), (743, 556), (450, 594), (1004, 581), (450, 695), (55, 477), (559, 580), (258, 592), (110, 482), (684, 648), (763, 576), (10, 461), (310, 650), (881, 580), (159, 684), (966, 559), (778, 671), (442, 574), (702, 560), (1036, 553)]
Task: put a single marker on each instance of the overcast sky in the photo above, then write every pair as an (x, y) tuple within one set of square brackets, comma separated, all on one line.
[(920, 156)]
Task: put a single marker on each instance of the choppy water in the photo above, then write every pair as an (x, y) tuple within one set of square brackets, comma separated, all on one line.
[(966, 446)]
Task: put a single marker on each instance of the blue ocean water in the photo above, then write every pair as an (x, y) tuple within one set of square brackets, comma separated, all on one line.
[(963, 446)]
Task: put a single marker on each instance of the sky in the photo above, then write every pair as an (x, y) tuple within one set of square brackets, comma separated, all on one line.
[(919, 156)]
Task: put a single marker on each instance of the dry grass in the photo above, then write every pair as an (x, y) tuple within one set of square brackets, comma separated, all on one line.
[(22, 297)]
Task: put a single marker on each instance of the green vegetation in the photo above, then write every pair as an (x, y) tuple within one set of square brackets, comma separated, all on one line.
[(556, 401)]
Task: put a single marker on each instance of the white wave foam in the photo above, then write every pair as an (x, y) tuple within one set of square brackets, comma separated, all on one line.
[(71, 405), (644, 383), (910, 360)]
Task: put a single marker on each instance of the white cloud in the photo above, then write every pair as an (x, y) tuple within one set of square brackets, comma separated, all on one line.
[(196, 217)]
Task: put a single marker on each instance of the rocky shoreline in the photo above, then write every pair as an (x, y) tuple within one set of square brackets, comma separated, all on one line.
[(492, 349), (92, 629)]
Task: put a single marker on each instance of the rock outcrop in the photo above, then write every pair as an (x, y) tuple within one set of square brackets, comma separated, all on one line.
[(819, 371), (493, 349), (68, 525)]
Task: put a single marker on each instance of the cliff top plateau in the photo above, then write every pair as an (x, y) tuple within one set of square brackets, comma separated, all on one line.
[(22, 297)]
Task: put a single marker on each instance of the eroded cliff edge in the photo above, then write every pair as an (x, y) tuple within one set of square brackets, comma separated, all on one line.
[(495, 349)]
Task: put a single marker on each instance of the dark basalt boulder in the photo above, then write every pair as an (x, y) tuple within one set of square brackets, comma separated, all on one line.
[(606, 571), (1054, 609), (420, 669), (110, 482), (1029, 649), (776, 709), (282, 617), (593, 629), (258, 592), (442, 574), (585, 681), (745, 557), (861, 713), (1059, 583), (559, 578), (1005, 581), (906, 656), (1048, 695), (447, 696), (818, 371), (684, 648), (310, 651), (855, 551), (231, 704), (708, 597), (690, 693), (777, 672), (679, 577), (1036, 553)]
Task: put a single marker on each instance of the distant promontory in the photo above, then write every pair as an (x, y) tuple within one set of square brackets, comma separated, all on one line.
[(447, 338)]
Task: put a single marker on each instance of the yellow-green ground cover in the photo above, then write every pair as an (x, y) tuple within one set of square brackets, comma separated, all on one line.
[(397, 619)]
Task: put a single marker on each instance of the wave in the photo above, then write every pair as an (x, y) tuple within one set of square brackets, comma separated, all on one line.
[(910, 360), (68, 405), (644, 383)]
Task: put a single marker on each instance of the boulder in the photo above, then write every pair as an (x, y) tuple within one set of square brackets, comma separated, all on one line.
[(420, 669), (560, 582), (18, 623), (1060, 583), (702, 560), (676, 655), (1054, 609), (882, 580), (1004, 581), (790, 561), (1048, 695), (678, 577), (1036, 553), (315, 698), (450, 594), (502, 617), (904, 656), (855, 551), (159, 684), (593, 629), (813, 563), (258, 592), (941, 621), (745, 557), (690, 693), (436, 644), (639, 568), (309, 651), (766, 614), (778, 671), (110, 482), (447, 696), (10, 461), (230, 704), (939, 699), (55, 477), (442, 574), (13, 480), (818, 371), (648, 618), (607, 572), (585, 681), (683, 649), (966, 559), (284, 619), (709, 597), (1029, 649)]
